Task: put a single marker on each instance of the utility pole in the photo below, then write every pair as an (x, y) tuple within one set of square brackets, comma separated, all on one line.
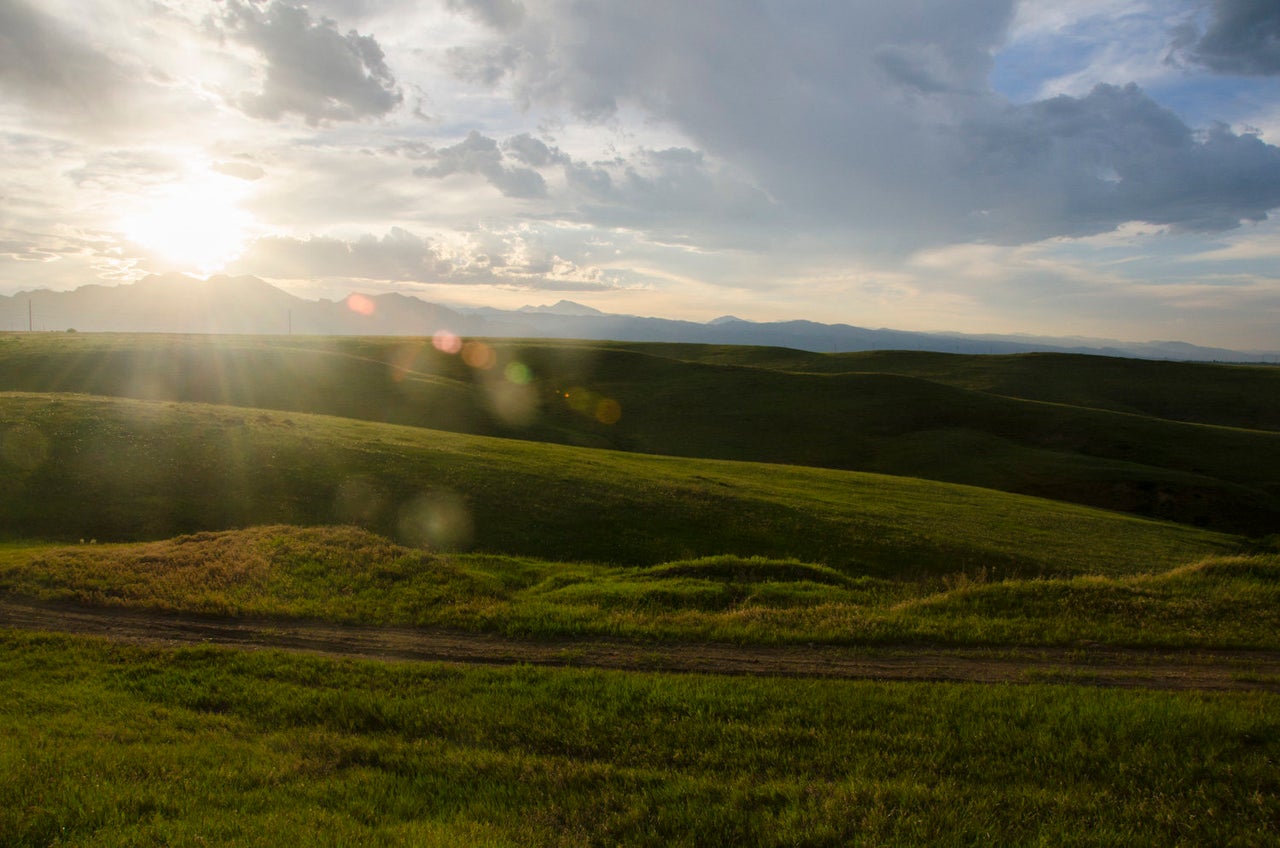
[(30, 323), (291, 322)]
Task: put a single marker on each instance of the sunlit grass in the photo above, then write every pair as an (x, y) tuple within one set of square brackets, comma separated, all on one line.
[(110, 745), (349, 575)]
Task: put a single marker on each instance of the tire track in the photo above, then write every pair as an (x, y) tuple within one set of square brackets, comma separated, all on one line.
[(1092, 666)]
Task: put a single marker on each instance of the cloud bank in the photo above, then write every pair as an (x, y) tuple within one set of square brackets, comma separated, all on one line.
[(879, 117), (870, 162)]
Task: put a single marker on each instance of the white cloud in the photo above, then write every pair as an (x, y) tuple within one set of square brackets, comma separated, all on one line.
[(516, 258)]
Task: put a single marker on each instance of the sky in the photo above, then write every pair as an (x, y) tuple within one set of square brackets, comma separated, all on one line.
[(1099, 168)]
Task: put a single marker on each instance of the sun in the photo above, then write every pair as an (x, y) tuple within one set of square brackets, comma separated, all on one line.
[(196, 225)]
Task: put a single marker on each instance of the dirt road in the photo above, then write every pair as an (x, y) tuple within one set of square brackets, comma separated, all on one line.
[(1130, 668)]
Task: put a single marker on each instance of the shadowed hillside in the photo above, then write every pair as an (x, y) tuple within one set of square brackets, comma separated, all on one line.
[(107, 469), (948, 418), (1230, 395)]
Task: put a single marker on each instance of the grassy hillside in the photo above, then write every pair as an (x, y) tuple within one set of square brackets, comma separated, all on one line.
[(111, 469), (929, 416), (349, 575), (1245, 396), (111, 744)]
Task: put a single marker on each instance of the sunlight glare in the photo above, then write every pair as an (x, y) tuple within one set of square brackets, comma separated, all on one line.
[(196, 225)]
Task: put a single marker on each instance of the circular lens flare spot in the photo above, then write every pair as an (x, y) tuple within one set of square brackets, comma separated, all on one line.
[(518, 373), (479, 355), (439, 521), (446, 342), (608, 411), (361, 305)]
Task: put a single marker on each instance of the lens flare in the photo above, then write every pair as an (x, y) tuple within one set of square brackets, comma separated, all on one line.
[(438, 520), (516, 404), (582, 400), (608, 411), (594, 405), (518, 373), (402, 360), (479, 355), (361, 305), (446, 342)]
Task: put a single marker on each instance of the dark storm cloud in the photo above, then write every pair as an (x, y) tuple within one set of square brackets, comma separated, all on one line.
[(313, 69), (1077, 166), (1243, 37), (478, 154), (878, 119), (53, 71)]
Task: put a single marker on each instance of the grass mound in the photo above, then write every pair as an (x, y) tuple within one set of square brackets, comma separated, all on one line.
[(335, 573), (1230, 602), (347, 574), (1260, 570), (731, 569)]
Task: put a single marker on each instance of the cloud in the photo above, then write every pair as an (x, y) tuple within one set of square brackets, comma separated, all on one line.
[(478, 154), (1243, 37), (53, 71), (1079, 166), (125, 169), (532, 152), (239, 170), (313, 69), (399, 256), (874, 120), (675, 192), (500, 14), (511, 259)]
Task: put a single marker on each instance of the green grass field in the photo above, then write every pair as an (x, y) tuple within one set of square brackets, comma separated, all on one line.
[(658, 493), (109, 745)]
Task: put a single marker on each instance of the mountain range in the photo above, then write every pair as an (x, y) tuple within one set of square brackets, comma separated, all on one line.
[(175, 303)]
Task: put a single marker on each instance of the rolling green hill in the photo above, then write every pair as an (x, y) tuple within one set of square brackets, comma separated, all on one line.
[(1228, 395), (112, 469), (1081, 429), (292, 482)]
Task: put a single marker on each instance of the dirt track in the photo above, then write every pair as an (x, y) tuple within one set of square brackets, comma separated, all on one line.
[(1152, 669)]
